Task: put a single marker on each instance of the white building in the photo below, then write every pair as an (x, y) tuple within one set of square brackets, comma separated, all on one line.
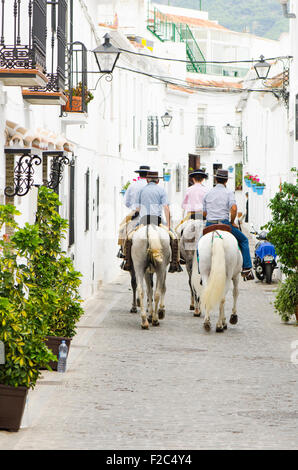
[(121, 129)]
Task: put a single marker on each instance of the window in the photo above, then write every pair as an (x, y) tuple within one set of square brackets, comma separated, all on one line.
[(97, 203), (71, 234), (87, 200), (152, 131), (296, 118)]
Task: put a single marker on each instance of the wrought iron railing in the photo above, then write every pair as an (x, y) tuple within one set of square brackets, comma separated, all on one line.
[(23, 34), (205, 137), (56, 46)]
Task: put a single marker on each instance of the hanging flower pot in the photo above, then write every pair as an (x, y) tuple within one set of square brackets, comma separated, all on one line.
[(123, 191), (253, 185), (260, 189), (247, 182), (166, 177), (231, 169)]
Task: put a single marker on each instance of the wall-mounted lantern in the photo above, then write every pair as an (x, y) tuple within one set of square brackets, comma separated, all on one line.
[(106, 55), (166, 119), (262, 68)]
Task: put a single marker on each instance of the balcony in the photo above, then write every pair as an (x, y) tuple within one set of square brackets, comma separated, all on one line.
[(205, 138), (23, 43), (53, 92)]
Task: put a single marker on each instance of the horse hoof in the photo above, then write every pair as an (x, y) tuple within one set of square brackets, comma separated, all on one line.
[(149, 318), (196, 314), (207, 326), (233, 319), (219, 329), (191, 307), (161, 314), (133, 310), (145, 326), (155, 323), (225, 327)]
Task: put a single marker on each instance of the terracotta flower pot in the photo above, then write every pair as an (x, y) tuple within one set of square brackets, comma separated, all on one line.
[(12, 404), (76, 105), (53, 343)]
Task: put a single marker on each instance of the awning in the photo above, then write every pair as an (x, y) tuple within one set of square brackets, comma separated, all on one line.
[(43, 139)]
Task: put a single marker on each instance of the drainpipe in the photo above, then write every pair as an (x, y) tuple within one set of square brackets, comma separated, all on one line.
[(284, 4)]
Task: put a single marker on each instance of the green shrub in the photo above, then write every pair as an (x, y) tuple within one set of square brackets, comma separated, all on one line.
[(286, 300)]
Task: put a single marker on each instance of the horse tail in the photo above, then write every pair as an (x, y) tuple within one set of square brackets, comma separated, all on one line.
[(215, 289), (154, 249)]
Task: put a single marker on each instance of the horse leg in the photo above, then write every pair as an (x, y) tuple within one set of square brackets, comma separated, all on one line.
[(161, 310), (157, 295), (221, 318), (234, 316), (149, 296), (134, 291), (145, 324)]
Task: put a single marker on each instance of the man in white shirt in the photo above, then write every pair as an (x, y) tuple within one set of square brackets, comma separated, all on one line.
[(131, 195), (131, 199)]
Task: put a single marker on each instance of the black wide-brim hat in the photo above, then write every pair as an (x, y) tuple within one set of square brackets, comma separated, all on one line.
[(143, 168), (199, 172)]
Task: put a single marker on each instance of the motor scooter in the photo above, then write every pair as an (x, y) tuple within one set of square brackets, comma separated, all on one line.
[(264, 261)]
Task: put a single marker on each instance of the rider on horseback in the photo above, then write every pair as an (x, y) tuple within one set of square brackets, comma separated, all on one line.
[(151, 201), (130, 200), (219, 203)]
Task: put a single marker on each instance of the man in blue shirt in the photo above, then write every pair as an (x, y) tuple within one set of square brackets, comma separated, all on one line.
[(152, 201), (219, 207)]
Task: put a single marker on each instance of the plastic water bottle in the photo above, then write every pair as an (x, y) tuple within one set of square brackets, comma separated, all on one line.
[(62, 356)]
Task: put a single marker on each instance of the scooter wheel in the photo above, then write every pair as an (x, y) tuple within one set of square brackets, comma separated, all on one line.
[(268, 273)]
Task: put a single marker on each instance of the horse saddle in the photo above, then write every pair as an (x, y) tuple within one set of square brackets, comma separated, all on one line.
[(213, 227)]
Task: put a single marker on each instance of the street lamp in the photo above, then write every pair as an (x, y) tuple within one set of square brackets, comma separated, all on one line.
[(262, 68), (166, 119), (228, 129), (106, 55)]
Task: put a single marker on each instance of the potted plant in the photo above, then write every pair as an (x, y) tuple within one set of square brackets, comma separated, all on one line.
[(124, 188), (77, 94), (231, 169), (167, 175), (283, 234), (54, 283), (260, 187), (21, 332), (248, 179)]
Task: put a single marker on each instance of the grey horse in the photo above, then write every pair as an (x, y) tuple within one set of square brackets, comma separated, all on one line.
[(151, 253), (189, 233)]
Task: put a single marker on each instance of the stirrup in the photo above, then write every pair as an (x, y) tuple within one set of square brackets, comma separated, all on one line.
[(247, 274), (120, 254)]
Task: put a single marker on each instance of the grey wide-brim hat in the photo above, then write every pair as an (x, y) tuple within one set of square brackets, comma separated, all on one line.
[(224, 174), (199, 172), (143, 168)]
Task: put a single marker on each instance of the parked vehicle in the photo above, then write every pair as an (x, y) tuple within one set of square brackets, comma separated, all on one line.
[(264, 261)]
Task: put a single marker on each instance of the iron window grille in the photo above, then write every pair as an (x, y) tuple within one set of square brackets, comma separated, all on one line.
[(152, 131), (205, 137), (23, 34)]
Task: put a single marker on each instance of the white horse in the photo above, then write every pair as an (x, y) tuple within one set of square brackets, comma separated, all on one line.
[(189, 233), (151, 253), (220, 262)]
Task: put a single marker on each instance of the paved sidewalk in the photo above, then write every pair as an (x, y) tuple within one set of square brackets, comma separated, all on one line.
[(172, 387)]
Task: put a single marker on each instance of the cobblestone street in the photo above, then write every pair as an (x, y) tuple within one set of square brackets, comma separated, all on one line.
[(172, 387)]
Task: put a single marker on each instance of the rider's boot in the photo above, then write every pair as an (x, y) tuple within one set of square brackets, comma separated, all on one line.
[(127, 263), (174, 264), (247, 274)]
